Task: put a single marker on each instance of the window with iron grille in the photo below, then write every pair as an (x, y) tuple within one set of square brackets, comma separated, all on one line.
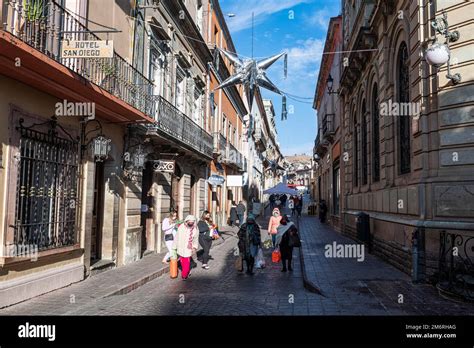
[(375, 136), (356, 154), (365, 140), (47, 186), (404, 120)]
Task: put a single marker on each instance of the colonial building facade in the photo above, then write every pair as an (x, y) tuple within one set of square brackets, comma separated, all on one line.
[(97, 151), (410, 171)]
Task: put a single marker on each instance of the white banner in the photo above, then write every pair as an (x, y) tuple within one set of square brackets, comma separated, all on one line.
[(234, 181)]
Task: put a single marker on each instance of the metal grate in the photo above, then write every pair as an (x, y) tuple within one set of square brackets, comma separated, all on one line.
[(46, 200)]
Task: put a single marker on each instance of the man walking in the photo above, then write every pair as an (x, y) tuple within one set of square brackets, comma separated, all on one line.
[(241, 212)]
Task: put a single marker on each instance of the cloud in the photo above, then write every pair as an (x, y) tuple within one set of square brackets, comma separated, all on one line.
[(319, 18), (261, 9)]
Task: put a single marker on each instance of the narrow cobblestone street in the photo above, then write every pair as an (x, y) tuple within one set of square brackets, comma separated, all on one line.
[(348, 287)]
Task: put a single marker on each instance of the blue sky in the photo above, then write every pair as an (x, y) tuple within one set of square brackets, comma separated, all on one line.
[(298, 27)]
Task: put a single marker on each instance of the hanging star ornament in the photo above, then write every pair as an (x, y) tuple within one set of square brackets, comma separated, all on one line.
[(252, 73)]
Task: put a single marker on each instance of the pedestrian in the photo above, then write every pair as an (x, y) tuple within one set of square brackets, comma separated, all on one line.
[(233, 214), (241, 212), (169, 226), (299, 206), (249, 242), (323, 209), (291, 205), (272, 201), (205, 227), (283, 199), (273, 224), (185, 244), (285, 230)]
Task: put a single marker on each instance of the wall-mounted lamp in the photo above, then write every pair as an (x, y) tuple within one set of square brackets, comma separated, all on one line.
[(439, 54), (330, 84), (100, 148)]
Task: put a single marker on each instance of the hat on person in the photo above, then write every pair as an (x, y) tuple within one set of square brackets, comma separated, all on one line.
[(190, 218)]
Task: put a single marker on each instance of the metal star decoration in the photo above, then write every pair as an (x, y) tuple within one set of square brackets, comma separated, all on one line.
[(251, 73)]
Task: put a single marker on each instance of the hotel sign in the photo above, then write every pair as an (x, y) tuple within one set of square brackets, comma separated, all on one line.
[(87, 49)]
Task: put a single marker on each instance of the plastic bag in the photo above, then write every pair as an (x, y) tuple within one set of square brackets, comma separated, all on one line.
[(260, 260), (239, 264), (276, 256)]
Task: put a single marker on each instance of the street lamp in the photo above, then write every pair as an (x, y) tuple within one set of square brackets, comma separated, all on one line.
[(439, 54), (330, 83)]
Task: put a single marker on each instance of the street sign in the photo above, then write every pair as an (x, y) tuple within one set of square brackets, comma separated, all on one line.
[(87, 49), (164, 166), (216, 180)]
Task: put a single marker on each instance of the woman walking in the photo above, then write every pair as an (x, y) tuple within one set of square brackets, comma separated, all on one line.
[(186, 243), (286, 231), (233, 214), (169, 227), (205, 238), (249, 242), (273, 224)]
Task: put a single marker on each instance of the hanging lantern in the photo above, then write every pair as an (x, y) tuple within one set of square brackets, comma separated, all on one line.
[(139, 159), (100, 148)]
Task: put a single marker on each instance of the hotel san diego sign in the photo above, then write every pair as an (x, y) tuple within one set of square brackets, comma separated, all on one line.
[(87, 49)]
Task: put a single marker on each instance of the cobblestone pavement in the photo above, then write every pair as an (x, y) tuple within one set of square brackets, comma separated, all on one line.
[(371, 287)]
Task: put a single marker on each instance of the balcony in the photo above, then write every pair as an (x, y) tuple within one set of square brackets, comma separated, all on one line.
[(46, 28), (219, 144), (259, 137), (177, 127), (234, 157), (328, 126)]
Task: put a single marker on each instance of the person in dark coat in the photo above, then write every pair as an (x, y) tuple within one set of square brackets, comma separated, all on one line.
[(249, 242), (241, 212), (323, 210), (233, 214), (285, 231)]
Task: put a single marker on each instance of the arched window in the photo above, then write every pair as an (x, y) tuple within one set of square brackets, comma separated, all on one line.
[(363, 130), (404, 119), (375, 135), (356, 153)]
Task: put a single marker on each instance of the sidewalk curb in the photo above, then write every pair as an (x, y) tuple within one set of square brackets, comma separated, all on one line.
[(149, 277), (309, 285)]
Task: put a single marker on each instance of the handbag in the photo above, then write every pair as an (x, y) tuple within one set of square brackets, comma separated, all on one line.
[(239, 265), (294, 240), (169, 237), (276, 256)]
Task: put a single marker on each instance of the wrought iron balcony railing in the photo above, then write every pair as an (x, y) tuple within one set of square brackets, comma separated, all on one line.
[(235, 157), (45, 24), (173, 124), (328, 125), (219, 144)]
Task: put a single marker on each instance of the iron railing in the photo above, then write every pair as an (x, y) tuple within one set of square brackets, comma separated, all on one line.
[(219, 144), (173, 123), (44, 25), (47, 188), (235, 157), (456, 265), (328, 124)]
